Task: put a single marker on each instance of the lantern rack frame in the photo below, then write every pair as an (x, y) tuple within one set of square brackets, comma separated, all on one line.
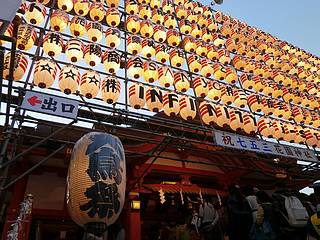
[(111, 119)]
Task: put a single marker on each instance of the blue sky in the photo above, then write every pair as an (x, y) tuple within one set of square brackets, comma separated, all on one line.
[(290, 20)]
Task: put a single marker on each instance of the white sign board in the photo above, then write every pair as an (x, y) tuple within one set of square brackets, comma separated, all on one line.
[(256, 145), (53, 105), (9, 9)]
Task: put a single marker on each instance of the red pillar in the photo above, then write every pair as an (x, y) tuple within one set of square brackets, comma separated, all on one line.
[(133, 220), (18, 192)]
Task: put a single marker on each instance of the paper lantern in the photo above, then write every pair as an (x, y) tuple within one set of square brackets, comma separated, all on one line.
[(277, 91), (200, 86), (176, 58), (170, 21), (150, 71), (90, 84), (258, 70), (196, 31), (74, 50), (236, 120), (314, 102), (214, 92), (258, 85), (65, 5), (8, 32), (173, 38), (171, 104), (35, 13), (113, 3), (188, 109), (154, 99), (246, 82), (231, 75), (249, 123), (145, 12), (113, 17), (287, 95), (133, 24), (255, 103), (165, 76), (44, 73), (222, 116), (134, 44), (227, 95), (241, 49), (192, 18), (26, 37), (268, 106), (231, 45), (162, 53), (238, 63), (249, 66), (218, 72), (315, 119), (194, 63), (69, 79), (267, 72), (19, 68), (212, 26), (94, 31), (202, 21), (135, 67), (137, 94), (111, 61), (306, 101), (207, 12), (197, 8), (265, 127), (155, 4), (110, 89), (159, 33), (225, 31), (81, 7), (217, 40), (311, 140), (189, 44), (181, 12), (278, 130), (188, 5), (97, 169), (78, 26), (201, 49), (167, 7), (224, 56), (146, 28), (300, 137), (207, 113), (148, 48), (307, 116), (206, 68), (278, 77), (96, 11), (132, 7), (269, 60), (178, 2), (212, 53), (113, 37), (181, 81), (289, 132), (52, 44), (240, 98), (157, 16), (92, 54), (206, 35), (59, 20), (298, 115)]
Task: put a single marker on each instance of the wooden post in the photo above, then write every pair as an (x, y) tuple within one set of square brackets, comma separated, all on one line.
[(133, 220)]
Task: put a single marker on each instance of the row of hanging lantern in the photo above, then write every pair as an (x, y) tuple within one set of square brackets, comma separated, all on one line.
[(35, 13), (70, 81)]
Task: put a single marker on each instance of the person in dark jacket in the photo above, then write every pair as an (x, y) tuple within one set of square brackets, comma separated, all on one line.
[(239, 214)]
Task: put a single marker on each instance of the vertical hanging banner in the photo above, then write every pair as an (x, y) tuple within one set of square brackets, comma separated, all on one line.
[(49, 104), (256, 145)]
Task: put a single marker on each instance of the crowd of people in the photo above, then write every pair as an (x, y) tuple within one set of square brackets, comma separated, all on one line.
[(252, 214)]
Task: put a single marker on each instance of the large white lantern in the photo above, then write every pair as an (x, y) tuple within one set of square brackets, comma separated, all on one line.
[(69, 79), (90, 84), (110, 89), (44, 73)]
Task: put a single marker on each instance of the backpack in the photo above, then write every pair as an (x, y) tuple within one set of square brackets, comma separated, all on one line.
[(297, 215)]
